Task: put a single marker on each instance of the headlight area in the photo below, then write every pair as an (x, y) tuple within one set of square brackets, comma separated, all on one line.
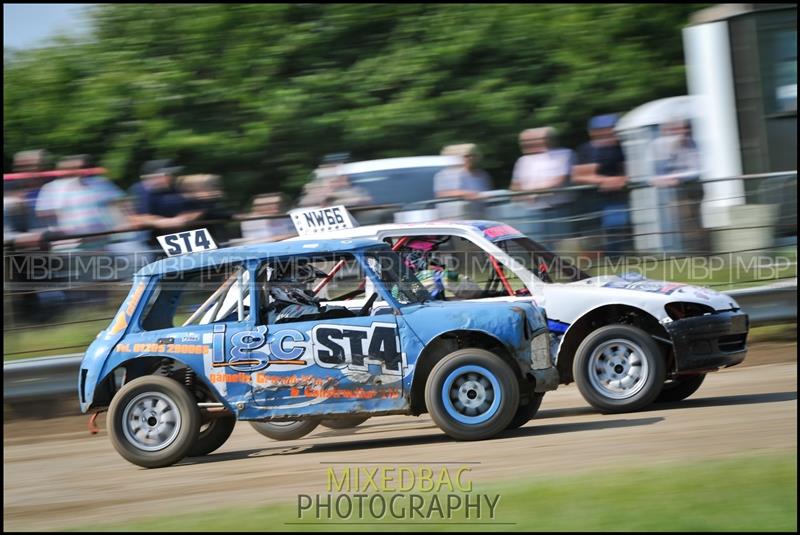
[(681, 310), (705, 339), (540, 351)]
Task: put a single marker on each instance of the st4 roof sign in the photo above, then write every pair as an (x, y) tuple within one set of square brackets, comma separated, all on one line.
[(309, 221), (190, 241)]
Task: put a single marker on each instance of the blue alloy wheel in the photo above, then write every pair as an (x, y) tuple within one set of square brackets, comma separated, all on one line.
[(472, 394)]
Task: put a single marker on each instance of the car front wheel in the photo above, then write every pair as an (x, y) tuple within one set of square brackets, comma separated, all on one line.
[(680, 388), (472, 394), (619, 368), (153, 421)]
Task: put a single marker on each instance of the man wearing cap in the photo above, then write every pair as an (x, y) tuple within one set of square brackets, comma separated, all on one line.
[(468, 180), (601, 162)]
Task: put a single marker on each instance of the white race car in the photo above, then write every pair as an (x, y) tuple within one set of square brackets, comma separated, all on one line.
[(625, 340)]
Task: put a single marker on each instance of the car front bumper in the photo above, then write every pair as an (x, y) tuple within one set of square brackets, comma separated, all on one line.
[(543, 369), (709, 342), (545, 379)]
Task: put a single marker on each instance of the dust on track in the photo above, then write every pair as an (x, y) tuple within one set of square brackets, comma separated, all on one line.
[(71, 478)]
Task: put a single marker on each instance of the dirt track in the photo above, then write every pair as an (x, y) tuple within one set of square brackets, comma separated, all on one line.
[(78, 479)]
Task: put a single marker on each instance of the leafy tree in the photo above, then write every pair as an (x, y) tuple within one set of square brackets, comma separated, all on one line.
[(259, 93)]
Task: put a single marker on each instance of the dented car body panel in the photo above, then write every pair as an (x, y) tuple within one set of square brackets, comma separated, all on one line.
[(354, 364)]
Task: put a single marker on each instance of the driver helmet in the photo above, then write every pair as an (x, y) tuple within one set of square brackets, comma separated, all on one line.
[(418, 258)]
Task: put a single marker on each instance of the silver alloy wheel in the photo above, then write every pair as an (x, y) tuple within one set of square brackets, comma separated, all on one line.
[(471, 393), (151, 421), (618, 368)]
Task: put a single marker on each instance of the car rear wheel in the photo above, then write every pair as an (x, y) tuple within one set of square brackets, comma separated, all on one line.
[(286, 430), (472, 394), (153, 421), (619, 368), (680, 388), (212, 435), (345, 423), (526, 413)]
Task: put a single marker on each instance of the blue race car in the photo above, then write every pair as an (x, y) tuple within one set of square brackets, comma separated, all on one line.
[(301, 330)]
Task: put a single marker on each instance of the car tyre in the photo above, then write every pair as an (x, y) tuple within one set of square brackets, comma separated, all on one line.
[(472, 394), (153, 421), (211, 437), (619, 368), (526, 413), (680, 388), (287, 430), (345, 423)]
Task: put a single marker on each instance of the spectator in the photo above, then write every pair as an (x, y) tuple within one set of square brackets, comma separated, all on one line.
[(680, 193), (332, 186), (19, 221), (314, 192), (342, 191), (76, 204), (201, 190), (27, 190), (204, 193), (81, 204), (23, 236), (158, 204), (15, 210), (31, 160), (601, 162), (543, 167), (467, 181), (19, 242), (271, 229), (20, 230)]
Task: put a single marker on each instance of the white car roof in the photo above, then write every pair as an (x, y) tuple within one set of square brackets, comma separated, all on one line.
[(372, 230), (388, 164)]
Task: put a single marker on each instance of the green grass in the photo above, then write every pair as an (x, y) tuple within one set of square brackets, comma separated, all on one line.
[(43, 341), (757, 493), (23, 343), (723, 272), (773, 333)]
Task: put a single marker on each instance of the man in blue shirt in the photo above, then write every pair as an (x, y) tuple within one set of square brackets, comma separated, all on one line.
[(158, 204)]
